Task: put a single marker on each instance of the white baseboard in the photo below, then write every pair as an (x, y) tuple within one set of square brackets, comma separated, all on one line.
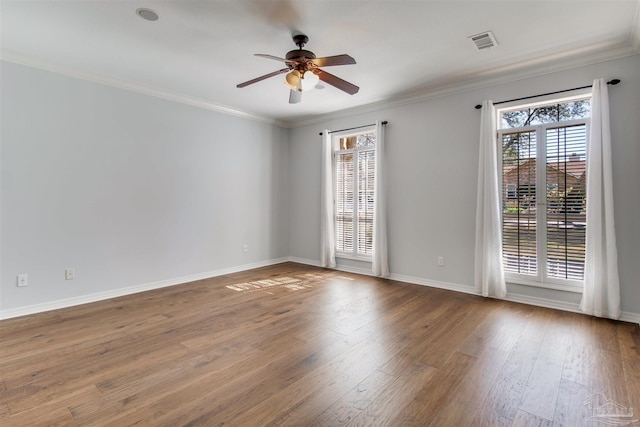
[(346, 268), (519, 298), (434, 284), (101, 296), (626, 316), (305, 261), (354, 269)]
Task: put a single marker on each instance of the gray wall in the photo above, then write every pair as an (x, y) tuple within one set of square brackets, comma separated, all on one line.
[(129, 189), (432, 149)]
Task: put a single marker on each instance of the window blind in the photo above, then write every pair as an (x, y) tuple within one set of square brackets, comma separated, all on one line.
[(519, 222), (546, 196), (566, 201)]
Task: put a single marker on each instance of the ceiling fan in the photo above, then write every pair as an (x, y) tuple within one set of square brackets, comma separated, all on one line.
[(304, 70)]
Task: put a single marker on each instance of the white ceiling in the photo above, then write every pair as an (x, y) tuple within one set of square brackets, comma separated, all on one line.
[(199, 50)]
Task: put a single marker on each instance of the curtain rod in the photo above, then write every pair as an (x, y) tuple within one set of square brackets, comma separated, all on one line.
[(612, 82), (357, 127)]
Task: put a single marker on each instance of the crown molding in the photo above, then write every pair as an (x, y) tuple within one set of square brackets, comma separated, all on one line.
[(634, 39), (181, 98), (473, 80), (491, 77)]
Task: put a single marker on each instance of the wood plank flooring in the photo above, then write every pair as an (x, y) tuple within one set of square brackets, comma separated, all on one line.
[(293, 345)]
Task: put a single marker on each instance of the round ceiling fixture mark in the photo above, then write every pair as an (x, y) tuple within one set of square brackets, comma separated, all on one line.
[(147, 14)]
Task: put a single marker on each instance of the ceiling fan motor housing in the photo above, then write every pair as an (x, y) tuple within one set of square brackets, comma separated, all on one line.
[(301, 58), (300, 55)]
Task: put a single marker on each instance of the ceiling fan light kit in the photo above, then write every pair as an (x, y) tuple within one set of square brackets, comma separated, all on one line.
[(304, 72), (292, 80), (301, 82)]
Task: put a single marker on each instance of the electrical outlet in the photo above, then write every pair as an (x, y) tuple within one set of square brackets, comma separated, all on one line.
[(440, 261), (69, 273), (22, 280), (245, 248)]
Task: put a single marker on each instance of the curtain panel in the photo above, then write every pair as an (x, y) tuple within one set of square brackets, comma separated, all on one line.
[(601, 295), (328, 234), (380, 263), (489, 272)]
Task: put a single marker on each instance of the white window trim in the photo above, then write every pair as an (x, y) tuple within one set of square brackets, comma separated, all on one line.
[(541, 280), (335, 141), (576, 95)]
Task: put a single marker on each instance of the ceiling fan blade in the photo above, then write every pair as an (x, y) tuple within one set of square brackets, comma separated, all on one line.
[(295, 96), (333, 60), (344, 85), (277, 58), (266, 76)]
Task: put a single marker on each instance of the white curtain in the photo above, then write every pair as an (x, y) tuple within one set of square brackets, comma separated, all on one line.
[(601, 296), (380, 264), (489, 272), (328, 235)]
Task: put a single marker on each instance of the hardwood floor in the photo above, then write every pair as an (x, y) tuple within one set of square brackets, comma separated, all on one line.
[(297, 345)]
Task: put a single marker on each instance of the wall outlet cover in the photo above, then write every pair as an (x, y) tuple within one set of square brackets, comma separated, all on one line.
[(22, 280)]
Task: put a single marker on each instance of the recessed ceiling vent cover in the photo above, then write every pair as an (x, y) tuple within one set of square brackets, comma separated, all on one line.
[(484, 40), (147, 14)]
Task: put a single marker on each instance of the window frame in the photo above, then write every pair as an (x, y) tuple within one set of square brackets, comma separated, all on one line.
[(541, 279), (335, 149)]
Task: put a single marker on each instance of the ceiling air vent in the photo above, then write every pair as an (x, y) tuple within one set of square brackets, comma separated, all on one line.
[(484, 40)]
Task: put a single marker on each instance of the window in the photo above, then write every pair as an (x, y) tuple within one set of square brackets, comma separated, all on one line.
[(543, 186), (354, 168)]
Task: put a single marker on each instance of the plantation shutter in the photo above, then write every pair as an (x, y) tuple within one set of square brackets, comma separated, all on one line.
[(354, 163), (345, 180), (366, 180)]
